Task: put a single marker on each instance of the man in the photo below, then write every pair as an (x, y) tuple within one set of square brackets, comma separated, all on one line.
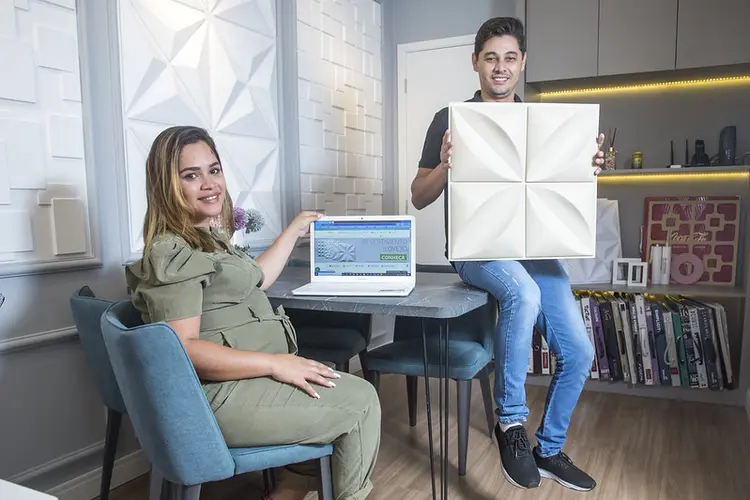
[(531, 293)]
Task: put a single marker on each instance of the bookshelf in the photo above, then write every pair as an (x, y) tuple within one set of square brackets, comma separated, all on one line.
[(630, 188)]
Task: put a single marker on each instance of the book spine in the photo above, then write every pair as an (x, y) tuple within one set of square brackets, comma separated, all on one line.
[(600, 345), (643, 340), (586, 312), (660, 342)]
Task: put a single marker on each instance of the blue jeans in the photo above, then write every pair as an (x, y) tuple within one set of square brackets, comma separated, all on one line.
[(534, 293)]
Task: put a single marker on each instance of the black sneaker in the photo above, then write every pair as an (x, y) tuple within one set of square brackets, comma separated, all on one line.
[(519, 466), (561, 469)]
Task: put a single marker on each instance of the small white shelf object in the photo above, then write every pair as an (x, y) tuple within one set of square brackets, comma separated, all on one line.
[(522, 184)]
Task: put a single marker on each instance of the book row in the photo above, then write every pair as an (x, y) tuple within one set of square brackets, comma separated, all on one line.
[(644, 339)]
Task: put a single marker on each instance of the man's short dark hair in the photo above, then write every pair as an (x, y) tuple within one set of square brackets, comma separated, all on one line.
[(499, 26)]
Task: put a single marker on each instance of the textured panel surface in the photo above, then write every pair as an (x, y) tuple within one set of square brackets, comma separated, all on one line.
[(18, 54), (210, 64), (486, 222), (68, 226), (489, 143), (41, 133), (559, 142), (340, 106), (608, 247), (18, 224), (560, 219), (522, 184)]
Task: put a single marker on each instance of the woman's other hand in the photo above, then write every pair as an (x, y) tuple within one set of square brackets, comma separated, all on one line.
[(300, 372)]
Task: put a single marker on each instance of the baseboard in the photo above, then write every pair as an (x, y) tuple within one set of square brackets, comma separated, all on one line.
[(747, 404), (86, 486)]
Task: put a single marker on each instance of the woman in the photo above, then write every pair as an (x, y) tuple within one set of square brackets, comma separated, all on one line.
[(244, 352)]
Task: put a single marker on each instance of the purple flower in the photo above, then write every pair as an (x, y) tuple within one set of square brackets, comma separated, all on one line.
[(240, 218)]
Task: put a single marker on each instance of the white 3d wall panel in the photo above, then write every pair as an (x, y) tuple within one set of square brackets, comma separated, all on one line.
[(340, 105), (522, 183), (44, 199), (207, 63)]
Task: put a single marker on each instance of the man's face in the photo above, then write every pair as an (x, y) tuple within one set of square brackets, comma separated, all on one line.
[(499, 65)]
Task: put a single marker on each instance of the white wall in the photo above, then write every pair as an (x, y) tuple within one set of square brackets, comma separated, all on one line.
[(340, 106), (43, 176), (215, 67)]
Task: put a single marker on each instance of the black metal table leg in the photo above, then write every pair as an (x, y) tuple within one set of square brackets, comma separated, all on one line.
[(445, 380), (429, 409), (443, 406)]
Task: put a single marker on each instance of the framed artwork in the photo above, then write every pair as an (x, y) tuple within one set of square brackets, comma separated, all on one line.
[(703, 233)]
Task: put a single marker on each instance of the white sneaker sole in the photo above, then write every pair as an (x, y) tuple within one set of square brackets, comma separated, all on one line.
[(549, 475), (511, 481)]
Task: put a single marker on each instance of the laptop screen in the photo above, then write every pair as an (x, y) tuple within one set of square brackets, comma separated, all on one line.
[(362, 248)]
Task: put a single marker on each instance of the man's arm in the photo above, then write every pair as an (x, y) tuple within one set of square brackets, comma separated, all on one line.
[(432, 173), (427, 185)]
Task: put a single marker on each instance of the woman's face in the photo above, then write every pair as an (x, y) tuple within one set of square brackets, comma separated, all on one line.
[(202, 181)]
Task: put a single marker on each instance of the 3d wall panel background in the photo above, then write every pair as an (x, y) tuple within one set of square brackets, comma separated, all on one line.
[(522, 182), (44, 200), (211, 64), (340, 106)]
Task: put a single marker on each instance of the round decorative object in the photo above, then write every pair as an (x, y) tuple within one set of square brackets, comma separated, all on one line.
[(687, 268)]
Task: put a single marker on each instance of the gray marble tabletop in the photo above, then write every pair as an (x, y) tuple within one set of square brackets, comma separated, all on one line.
[(436, 295)]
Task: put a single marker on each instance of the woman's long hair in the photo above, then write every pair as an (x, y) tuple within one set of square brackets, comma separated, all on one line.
[(167, 210)]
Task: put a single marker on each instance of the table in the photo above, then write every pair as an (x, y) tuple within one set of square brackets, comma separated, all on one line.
[(16, 492), (436, 296)]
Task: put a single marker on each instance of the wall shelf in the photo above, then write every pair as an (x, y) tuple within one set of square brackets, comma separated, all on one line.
[(687, 290), (737, 169), (731, 397)]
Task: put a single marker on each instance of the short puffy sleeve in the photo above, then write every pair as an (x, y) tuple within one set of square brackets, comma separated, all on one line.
[(168, 281)]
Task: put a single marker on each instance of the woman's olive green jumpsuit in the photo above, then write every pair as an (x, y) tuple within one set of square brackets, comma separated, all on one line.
[(174, 281)]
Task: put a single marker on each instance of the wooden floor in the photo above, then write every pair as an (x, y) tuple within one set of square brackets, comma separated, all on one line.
[(636, 449)]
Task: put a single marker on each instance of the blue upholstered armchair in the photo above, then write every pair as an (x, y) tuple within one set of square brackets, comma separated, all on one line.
[(87, 312), (171, 415)]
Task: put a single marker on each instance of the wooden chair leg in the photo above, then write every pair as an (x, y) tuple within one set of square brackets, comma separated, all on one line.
[(464, 413), (412, 384), (484, 382), (326, 479), (114, 421)]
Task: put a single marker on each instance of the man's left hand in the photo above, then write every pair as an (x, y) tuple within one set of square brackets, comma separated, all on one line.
[(598, 159)]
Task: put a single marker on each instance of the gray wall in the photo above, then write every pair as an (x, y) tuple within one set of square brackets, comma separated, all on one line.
[(419, 20)]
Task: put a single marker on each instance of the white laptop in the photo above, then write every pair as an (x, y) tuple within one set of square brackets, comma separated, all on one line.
[(369, 255)]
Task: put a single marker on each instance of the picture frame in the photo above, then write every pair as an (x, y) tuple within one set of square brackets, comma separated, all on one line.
[(637, 273), (621, 270)]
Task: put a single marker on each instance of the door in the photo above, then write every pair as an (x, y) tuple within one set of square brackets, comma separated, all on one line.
[(430, 75)]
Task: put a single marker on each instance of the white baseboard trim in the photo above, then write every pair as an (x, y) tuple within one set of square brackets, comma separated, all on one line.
[(86, 486), (31, 474), (34, 340)]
